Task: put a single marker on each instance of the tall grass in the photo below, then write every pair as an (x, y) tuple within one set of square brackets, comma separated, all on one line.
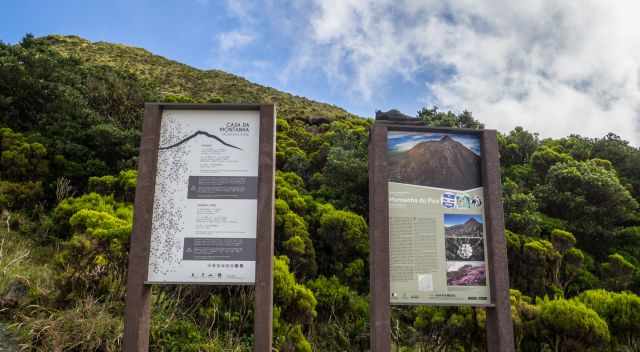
[(23, 260), (88, 326), (189, 320)]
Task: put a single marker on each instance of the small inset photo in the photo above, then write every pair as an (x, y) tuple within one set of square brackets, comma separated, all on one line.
[(464, 248), (463, 225), (466, 274)]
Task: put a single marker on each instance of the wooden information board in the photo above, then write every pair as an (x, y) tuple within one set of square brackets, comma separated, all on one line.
[(203, 208), (436, 225)]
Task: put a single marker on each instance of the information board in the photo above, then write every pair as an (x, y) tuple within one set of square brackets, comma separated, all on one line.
[(437, 241), (205, 200)]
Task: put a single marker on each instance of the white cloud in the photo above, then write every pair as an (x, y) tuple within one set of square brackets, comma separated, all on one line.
[(234, 40), (239, 8), (404, 146), (555, 67)]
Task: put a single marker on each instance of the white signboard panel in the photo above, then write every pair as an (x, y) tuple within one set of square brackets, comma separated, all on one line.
[(205, 202)]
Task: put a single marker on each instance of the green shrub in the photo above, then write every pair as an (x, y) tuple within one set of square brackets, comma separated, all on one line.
[(93, 260), (122, 186), (20, 195), (20, 159), (620, 310), (70, 206), (342, 316), (569, 325), (294, 307)]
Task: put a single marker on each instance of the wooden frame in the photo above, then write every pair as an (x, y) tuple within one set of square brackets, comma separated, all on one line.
[(138, 299), (499, 323)]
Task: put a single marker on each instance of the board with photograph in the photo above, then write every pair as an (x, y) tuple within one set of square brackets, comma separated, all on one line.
[(437, 241)]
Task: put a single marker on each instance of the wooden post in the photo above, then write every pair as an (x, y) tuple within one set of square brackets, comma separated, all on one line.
[(263, 320), (138, 298), (499, 323), (380, 309)]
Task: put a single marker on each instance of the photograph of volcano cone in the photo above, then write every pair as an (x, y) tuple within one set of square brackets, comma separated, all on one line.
[(463, 225), (443, 160), (463, 237)]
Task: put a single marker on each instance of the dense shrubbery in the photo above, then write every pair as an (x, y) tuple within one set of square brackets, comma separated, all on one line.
[(69, 126)]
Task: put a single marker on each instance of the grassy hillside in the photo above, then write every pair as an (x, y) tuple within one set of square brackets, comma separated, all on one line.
[(182, 82)]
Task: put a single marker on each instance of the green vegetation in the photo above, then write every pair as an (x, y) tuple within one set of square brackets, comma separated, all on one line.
[(70, 117)]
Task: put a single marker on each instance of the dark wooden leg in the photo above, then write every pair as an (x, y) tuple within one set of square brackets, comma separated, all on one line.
[(380, 309), (263, 332), (499, 322), (138, 300)]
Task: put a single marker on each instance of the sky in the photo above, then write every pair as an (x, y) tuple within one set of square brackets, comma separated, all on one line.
[(552, 67), (457, 219), (403, 141)]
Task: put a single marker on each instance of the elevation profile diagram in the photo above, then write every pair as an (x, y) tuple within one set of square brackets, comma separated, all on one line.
[(198, 133)]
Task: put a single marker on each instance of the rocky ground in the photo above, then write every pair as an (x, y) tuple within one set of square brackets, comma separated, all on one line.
[(7, 343)]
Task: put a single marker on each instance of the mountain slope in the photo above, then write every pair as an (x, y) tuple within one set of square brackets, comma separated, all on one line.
[(471, 228), (185, 83)]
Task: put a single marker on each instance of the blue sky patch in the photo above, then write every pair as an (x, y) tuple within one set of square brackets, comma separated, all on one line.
[(458, 219)]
